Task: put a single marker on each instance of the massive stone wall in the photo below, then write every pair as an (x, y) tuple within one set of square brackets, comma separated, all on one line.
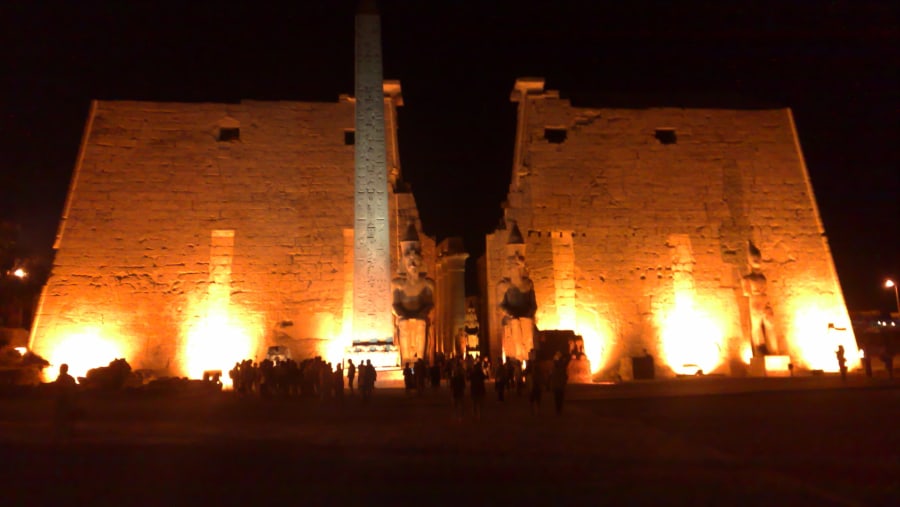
[(630, 213), (175, 208)]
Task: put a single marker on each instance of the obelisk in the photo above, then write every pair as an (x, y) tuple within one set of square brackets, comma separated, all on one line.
[(372, 319)]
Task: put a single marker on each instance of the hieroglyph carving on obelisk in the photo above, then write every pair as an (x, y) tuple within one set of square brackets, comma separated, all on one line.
[(371, 261)]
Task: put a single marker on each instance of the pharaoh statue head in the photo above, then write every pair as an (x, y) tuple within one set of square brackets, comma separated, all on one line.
[(471, 316), (411, 250), (515, 254)]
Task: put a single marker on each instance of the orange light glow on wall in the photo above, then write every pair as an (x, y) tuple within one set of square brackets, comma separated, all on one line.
[(746, 353), (596, 333), (337, 336), (217, 340), (221, 334), (594, 348), (691, 338), (336, 349), (82, 348), (813, 342)]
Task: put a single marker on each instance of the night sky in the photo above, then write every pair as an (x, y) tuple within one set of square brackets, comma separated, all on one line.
[(834, 63)]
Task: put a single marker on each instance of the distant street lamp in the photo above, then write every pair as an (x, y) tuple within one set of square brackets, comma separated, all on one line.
[(888, 284), (21, 273)]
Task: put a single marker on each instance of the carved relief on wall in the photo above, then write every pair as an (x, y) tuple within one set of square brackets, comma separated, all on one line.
[(755, 286)]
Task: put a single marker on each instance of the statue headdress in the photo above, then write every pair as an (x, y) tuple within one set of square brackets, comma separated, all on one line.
[(410, 239), (515, 243)]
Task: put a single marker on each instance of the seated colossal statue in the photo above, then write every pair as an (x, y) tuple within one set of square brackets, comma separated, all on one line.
[(518, 306), (413, 301)]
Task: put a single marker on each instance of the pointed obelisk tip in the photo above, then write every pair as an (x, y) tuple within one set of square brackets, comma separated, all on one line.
[(367, 7)]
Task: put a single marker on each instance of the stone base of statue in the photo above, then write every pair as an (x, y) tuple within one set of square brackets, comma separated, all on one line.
[(411, 335), (388, 377), (382, 353), (518, 338), (471, 346), (770, 366), (579, 370)]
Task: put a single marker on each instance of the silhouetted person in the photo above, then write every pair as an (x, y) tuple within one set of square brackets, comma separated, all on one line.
[(367, 379), (470, 363), (435, 373), (477, 390), (419, 375), (457, 389), (351, 374), (518, 377), (235, 376), (373, 375), (842, 362), (501, 379), (534, 384), (266, 376), (867, 363), (64, 413), (559, 377), (325, 381), (338, 381), (408, 381)]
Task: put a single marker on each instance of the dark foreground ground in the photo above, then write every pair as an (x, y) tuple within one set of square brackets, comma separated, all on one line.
[(703, 441)]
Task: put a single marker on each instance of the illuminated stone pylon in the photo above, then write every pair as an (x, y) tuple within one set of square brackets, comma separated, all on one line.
[(371, 251)]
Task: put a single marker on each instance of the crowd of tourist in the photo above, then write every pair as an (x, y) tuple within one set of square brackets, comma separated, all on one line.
[(469, 376), (316, 378), (307, 378)]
